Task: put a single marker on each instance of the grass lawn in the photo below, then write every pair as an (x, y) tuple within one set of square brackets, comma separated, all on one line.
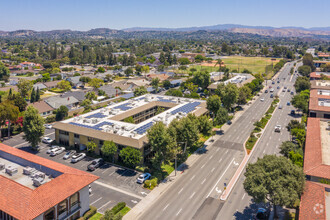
[(97, 216), (124, 211), (253, 64)]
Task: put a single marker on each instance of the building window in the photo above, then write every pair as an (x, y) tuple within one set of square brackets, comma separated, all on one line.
[(74, 199), (64, 132), (76, 135), (50, 214), (62, 207)]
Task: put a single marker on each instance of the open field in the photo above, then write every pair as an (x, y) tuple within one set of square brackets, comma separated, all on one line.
[(253, 64)]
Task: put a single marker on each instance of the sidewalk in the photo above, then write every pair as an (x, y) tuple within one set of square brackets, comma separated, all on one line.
[(152, 197)]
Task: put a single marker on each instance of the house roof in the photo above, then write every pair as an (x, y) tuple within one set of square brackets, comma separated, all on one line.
[(51, 83), (320, 84), (39, 85), (109, 90), (314, 101), (57, 101), (22, 202), (79, 95), (161, 77), (313, 203), (314, 165), (42, 106), (318, 75)]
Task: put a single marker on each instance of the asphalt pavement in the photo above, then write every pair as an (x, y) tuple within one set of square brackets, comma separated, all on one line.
[(196, 194)]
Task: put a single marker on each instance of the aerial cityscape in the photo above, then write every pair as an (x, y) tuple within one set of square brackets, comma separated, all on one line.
[(153, 110)]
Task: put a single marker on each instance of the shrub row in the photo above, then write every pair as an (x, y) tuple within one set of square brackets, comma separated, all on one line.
[(92, 210), (151, 184)]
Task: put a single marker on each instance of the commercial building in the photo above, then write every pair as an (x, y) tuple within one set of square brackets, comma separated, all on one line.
[(32, 187), (319, 75), (239, 80), (315, 201), (319, 101), (110, 123)]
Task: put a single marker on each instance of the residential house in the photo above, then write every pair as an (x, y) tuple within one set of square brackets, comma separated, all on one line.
[(318, 75), (40, 86), (52, 84), (110, 91), (319, 103), (43, 108), (56, 101)]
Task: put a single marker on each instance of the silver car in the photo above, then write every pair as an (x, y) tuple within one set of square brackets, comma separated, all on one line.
[(53, 147), (69, 154), (77, 157), (57, 151)]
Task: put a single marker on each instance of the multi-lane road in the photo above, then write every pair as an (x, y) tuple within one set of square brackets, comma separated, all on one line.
[(196, 194)]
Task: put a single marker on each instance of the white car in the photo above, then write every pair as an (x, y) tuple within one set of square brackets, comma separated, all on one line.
[(280, 106), (48, 126), (262, 99), (57, 151), (143, 177), (278, 128), (69, 154), (47, 140), (53, 147), (77, 157)]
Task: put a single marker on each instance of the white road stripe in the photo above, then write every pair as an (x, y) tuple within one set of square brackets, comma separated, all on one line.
[(243, 196), (203, 181), (217, 149), (178, 212), (96, 201), (104, 205), (220, 160), (212, 169), (227, 151), (112, 173), (192, 195), (202, 166), (166, 207), (192, 177), (180, 191), (210, 157)]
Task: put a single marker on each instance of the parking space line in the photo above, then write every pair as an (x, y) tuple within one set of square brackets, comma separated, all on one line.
[(85, 164), (118, 190), (104, 205), (122, 173), (112, 173), (96, 201)]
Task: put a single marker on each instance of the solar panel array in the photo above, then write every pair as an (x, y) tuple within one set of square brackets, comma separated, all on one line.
[(96, 115), (144, 128), (189, 107), (95, 127), (123, 107), (161, 99)]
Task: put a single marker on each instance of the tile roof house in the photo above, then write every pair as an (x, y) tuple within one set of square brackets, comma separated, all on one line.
[(56, 101), (51, 84), (79, 95), (64, 195), (318, 75), (43, 108), (161, 77), (110, 90), (319, 103), (40, 86)]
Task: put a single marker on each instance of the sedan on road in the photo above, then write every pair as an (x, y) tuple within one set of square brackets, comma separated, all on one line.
[(77, 157), (262, 99), (69, 154), (278, 128), (47, 140), (143, 177)]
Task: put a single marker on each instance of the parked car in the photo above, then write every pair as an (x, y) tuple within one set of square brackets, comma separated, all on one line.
[(47, 140), (143, 177), (95, 164), (278, 128), (69, 154), (48, 126), (288, 90), (57, 151), (229, 122), (273, 82), (285, 87), (53, 147), (293, 112), (278, 87), (266, 91), (77, 157), (280, 106), (292, 93), (288, 103), (284, 90), (271, 90), (262, 214), (90, 189)]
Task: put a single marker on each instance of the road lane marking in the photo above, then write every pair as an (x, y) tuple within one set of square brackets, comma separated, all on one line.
[(192, 177), (180, 190), (220, 177), (220, 160), (210, 157), (203, 181), (165, 207), (178, 212), (104, 205), (202, 166), (264, 151), (243, 196), (91, 195), (217, 149), (212, 169), (267, 144), (96, 201), (192, 195), (227, 151)]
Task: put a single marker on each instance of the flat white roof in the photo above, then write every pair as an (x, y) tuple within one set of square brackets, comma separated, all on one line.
[(100, 119), (324, 102)]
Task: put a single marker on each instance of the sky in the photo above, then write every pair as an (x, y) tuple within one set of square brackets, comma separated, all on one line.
[(43, 15)]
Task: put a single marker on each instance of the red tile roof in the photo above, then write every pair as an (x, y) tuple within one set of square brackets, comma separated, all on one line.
[(316, 75), (42, 106), (314, 101), (312, 205), (22, 202), (313, 151)]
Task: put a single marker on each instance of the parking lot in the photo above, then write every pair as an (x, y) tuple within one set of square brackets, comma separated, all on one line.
[(116, 184)]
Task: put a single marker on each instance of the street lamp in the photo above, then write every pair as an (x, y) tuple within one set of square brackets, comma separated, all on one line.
[(176, 154)]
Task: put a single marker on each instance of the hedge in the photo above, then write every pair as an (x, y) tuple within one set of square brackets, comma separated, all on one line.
[(151, 184), (118, 207), (92, 210)]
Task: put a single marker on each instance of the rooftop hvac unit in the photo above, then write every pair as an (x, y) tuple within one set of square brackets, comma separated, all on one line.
[(11, 170), (321, 103), (2, 166), (38, 181), (94, 121)]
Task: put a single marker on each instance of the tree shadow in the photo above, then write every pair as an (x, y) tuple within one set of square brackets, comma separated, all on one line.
[(247, 213)]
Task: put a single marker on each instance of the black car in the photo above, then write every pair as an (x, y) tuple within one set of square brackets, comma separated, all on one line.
[(95, 164), (293, 112)]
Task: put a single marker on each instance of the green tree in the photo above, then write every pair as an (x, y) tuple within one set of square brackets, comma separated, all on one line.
[(64, 85), (128, 71), (202, 79), (24, 87), (167, 84), (222, 116), (131, 156), (61, 113), (228, 94), (296, 158), (184, 61), (302, 83), (300, 100), (19, 101), (33, 127), (286, 147), (162, 143), (205, 125), (4, 72), (213, 104), (91, 146), (37, 95), (46, 77), (174, 92), (33, 96), (155, 83), (100, 70), (244, 93), (10, 113), (274, 179), (305, 70), (91, 95), (308, 61), (141, 90), (129, 120), (96, 83)]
